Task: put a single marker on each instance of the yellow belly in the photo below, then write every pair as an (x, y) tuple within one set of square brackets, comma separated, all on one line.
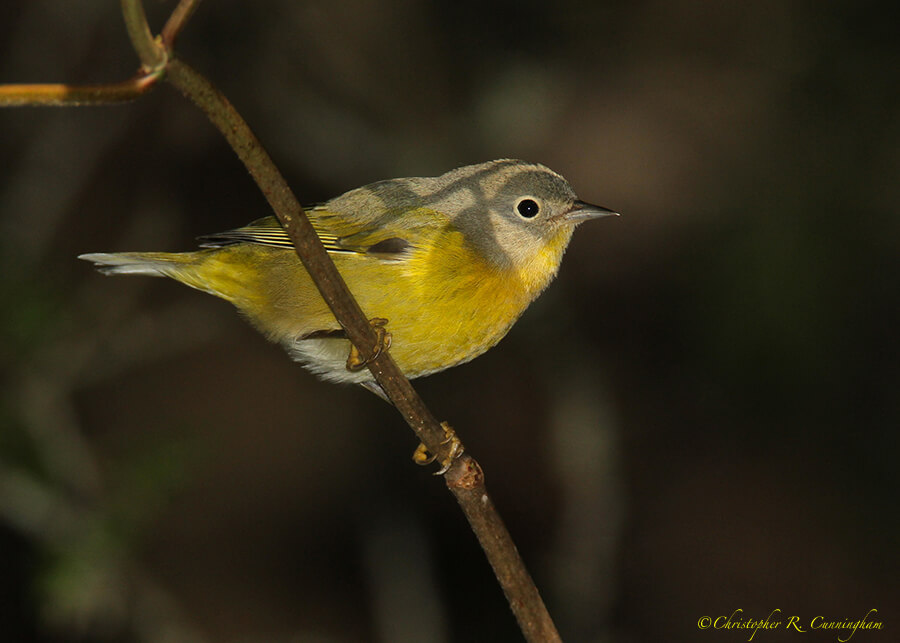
[(438, 317)]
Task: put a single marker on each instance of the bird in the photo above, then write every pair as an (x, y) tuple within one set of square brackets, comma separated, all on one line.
[(444, 265)]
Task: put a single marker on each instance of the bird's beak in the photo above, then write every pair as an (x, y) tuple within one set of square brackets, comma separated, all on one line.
[(582, 211)]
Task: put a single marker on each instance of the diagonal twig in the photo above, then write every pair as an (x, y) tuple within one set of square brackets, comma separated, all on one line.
[(176, 22)]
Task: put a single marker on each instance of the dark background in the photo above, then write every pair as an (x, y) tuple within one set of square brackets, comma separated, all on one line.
[(699, 416)]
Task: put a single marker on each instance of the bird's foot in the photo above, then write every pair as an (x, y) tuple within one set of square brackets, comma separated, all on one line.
[(422, 456), (355, 361)]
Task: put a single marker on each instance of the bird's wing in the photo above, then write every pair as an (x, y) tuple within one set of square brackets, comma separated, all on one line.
[(336, 233)]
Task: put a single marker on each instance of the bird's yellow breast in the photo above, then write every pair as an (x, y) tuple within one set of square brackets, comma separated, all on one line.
[(455, 304)]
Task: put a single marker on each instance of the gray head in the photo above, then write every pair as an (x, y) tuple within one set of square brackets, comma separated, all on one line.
[(506, 209)]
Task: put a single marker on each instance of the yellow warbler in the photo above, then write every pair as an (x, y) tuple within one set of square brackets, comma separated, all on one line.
[(450, 261)]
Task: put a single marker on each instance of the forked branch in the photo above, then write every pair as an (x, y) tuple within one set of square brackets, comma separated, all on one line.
[(464, 478)]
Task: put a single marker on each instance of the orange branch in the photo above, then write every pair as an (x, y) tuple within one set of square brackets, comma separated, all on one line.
[(67, 95)]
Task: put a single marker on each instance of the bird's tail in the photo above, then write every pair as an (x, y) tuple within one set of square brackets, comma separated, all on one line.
[(224, 274), (152, 264)]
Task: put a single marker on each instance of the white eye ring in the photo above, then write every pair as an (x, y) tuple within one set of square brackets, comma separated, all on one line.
[(528, 207)]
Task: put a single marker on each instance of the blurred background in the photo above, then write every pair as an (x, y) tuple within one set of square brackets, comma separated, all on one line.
[(699, 416)]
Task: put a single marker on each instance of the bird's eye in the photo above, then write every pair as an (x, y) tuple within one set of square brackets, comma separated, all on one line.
[(528, 208)]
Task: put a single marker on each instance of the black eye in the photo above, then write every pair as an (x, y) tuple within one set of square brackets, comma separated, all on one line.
[(528, 208)]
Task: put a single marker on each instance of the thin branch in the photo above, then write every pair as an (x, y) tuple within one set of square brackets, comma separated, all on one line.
[(466, 482), (176, 22), (464, 478), (68, 95), (150, 52)]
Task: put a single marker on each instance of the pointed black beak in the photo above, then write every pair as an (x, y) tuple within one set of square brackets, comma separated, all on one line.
[(582, 211)]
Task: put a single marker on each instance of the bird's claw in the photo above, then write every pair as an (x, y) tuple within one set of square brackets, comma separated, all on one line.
[(355, 361), (422, 456)]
